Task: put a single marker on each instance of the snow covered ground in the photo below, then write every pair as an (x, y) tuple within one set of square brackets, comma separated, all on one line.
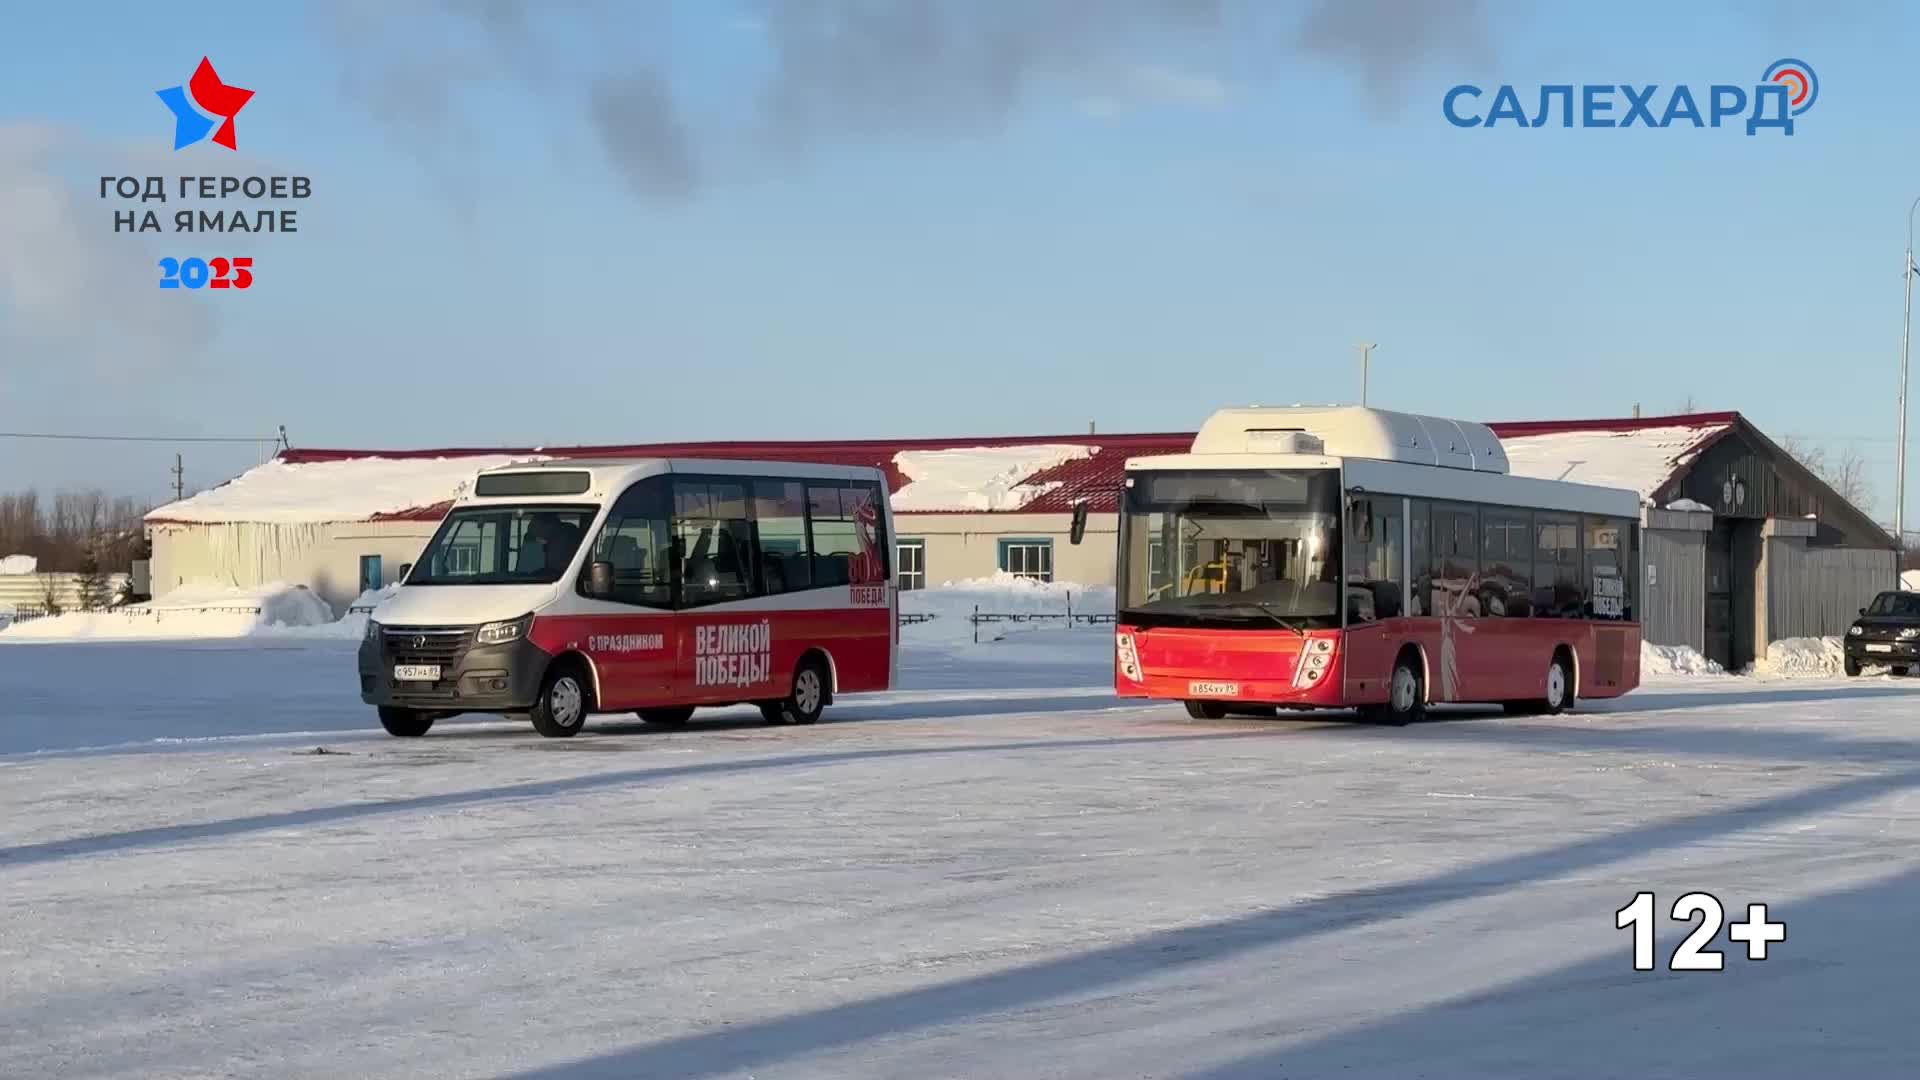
[(999, 870)]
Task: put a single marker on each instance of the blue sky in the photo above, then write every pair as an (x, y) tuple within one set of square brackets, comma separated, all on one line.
[(598, 223)]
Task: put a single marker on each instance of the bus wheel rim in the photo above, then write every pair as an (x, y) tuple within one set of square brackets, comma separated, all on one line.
[(1556, 684), (566, 703), (806, 692)]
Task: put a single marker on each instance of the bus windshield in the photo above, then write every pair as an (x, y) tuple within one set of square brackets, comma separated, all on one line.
[(503, 545), (1231, 548)]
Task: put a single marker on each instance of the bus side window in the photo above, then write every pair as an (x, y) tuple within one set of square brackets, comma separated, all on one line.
[(1420, 558), (1374, 559)]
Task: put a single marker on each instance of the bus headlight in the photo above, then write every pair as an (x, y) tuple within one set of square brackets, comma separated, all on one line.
[(499, 633), (1128, 659), (1313, 663)]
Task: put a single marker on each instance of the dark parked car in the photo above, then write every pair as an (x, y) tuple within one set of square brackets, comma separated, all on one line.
[(1887, 632)]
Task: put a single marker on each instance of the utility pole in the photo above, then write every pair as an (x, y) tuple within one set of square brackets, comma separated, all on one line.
[(179, 479), (1906, 334), (1366, 356)]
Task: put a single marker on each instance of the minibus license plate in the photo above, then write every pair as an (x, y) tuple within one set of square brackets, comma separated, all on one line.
[(1213, 689), (1879, 648), (416, 672)]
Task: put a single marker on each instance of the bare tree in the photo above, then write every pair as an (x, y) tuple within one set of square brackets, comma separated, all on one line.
[(64, 531), (50, 593), (1845, 472)]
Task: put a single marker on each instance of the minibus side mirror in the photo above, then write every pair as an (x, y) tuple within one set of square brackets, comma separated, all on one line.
[(1863, 611), (1078, 531), (600, 579), (405, 569)]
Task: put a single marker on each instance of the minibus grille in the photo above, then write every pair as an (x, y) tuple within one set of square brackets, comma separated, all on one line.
[(443, 645)]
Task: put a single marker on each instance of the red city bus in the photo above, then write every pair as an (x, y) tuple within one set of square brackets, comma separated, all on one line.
[(1329, 558), (559, 589)]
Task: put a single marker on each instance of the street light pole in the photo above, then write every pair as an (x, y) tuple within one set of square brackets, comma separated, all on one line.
[(1906, 336), (1366, 355)]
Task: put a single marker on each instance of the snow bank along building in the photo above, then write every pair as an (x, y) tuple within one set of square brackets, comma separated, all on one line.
[(1742, 545)]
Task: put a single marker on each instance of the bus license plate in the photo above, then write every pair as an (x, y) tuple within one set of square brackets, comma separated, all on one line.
[(1213, 689), (416, 672)]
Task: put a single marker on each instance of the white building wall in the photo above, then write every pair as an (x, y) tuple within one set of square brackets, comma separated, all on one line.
[(963, 546), (325, 557)]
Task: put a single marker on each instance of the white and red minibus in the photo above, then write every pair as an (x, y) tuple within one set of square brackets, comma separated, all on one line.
[(560, 589), (1351, 557)]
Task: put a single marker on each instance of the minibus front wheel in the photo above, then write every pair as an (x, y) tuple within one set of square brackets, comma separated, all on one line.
[(564, 702), (405, 723)]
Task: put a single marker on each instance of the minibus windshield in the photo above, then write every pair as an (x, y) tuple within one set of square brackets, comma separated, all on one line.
[(503, 545)]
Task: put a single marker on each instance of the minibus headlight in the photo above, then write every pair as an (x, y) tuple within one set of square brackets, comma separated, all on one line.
[(372, 631), (499, 633)]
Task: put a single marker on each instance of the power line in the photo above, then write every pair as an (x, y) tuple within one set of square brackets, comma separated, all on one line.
[(256, 439)]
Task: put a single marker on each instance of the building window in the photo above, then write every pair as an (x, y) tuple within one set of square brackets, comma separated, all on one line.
[(463, 558), (370, 573), (910, 556), (1027, 558)]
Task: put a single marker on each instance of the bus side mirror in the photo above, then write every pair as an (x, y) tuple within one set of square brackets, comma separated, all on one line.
[(600, 579), (1078, 530)]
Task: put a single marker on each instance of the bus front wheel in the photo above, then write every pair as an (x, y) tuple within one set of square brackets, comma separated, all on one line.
[(1406, 692), (1206, 710)]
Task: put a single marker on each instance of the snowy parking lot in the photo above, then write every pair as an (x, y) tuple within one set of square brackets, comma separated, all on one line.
[(999, 871)]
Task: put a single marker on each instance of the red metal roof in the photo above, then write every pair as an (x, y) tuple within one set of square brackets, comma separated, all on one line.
[(1515, 429), (1095, 478)]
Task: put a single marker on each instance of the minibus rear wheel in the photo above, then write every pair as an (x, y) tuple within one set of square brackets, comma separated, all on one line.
[(806, 701)]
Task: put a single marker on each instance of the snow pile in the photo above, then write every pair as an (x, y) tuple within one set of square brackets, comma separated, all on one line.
[(978, 478), (18, 564), (196, 611), (1801, 657), (1675, 660), (353, 490), (1692, 506), (1639, 460), (1910, 580), (371, 599)]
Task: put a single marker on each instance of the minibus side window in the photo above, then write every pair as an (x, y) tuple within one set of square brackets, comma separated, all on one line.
[(780, 531), (848, 547), (715, 540), (637, 541)]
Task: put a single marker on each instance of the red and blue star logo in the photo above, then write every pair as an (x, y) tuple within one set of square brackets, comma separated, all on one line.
[(204, 94)]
